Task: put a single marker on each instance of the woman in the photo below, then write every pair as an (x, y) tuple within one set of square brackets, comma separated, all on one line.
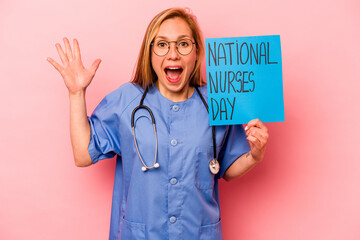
[(166, 186)]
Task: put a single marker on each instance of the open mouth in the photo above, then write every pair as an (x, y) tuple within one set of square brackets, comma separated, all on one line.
[(173, 73)]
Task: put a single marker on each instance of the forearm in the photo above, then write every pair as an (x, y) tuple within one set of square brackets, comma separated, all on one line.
[(241, 166), (79, 129)]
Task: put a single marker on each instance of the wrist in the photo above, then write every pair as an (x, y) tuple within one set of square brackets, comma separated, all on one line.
[(79, 93), (255, 158)]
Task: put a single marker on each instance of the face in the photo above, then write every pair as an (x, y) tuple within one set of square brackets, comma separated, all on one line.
[(173, 70)]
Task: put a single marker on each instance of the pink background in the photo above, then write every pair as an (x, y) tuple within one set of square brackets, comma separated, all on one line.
[(307, 187)]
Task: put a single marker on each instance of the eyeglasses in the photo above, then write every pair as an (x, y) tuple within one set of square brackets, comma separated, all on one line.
[(162, 47)]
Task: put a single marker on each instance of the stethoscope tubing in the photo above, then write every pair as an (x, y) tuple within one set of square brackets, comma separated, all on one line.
[(142, 106), (212, 127)]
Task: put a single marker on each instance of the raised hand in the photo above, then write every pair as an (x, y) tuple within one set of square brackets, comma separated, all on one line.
[(76, 77)]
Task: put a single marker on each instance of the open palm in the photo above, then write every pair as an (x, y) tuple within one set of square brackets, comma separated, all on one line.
[(75, 75)]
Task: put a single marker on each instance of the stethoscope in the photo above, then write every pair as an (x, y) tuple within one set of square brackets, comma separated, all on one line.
[(214, 165)]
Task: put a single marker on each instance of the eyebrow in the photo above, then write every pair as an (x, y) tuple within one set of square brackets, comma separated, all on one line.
[(179, 37)]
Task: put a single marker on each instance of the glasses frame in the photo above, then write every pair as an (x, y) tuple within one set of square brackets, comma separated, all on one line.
[(176, 46)]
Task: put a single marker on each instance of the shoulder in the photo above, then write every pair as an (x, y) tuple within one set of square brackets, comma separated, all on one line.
[(127, 90), (122, 97)]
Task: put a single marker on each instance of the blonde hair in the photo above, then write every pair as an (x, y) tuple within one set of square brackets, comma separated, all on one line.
[(145, 75)]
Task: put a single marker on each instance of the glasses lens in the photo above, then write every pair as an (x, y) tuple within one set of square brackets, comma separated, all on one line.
[(184, 46), (161, 47)]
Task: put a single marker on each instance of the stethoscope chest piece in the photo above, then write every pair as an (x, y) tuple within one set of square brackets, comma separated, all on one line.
[(214, 166)]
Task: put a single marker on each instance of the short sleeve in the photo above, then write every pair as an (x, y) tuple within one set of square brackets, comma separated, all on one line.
[(104, 123), (235, 145)]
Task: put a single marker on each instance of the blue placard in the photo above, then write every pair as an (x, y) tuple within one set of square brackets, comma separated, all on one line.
[(244, 79)]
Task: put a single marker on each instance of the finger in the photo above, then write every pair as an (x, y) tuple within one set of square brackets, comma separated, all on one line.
[(61, 53), (255, 142), (55, 64), (261, 136), (95, 65), (263, 131), (77, 54), (255, 123), (68, 49), (250, 143)]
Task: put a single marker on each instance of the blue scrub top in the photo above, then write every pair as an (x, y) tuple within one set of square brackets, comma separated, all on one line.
[(180, 199)]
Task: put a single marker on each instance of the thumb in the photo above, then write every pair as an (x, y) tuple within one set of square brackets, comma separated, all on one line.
[(95, 65)]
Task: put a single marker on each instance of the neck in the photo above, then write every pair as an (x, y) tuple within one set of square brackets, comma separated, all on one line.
[(180, 96)]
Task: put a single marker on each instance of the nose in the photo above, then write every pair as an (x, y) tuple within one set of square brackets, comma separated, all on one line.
[(173, 53)]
